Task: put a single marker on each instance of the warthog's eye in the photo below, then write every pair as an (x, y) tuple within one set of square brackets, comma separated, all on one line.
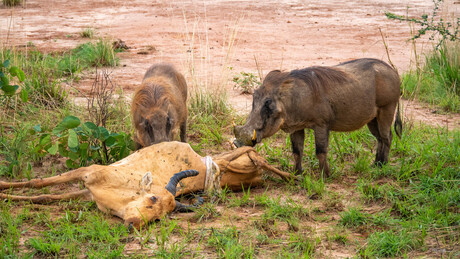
[(266, 111), (267, 103), (154, 199)]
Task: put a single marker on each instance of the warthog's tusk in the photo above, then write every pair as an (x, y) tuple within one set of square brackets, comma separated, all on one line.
[(233, 123), (254, 137)]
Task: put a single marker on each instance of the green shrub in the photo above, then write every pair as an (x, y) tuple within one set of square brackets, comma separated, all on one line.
[(246, 82), (6, 74), (83, 144)]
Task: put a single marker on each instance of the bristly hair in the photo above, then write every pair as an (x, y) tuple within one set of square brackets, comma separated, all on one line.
[(319, 78)]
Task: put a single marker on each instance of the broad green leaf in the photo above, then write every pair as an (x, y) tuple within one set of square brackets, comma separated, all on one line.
[(5, 81), (110, 141), (45, 139), (70, 164), (10, 89), (24, 95), (63, 151), (15, 71), (53, 149), (6, 63), (73, 139), (58, 129), (83, 149), (90, 125), (104, 133), (74, 155), (70, 122)]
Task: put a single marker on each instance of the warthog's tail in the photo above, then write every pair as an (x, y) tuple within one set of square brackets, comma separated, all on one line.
[(398, 123)]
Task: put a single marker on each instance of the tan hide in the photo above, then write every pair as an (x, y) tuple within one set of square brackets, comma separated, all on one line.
[(134, 187)]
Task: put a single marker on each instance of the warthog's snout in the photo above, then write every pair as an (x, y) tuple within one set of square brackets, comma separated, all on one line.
[(244, 136)]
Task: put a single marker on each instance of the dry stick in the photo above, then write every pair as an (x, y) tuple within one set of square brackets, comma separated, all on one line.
[(259, 70), (386, 49)]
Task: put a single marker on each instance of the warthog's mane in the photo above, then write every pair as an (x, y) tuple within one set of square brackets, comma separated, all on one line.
[(320, 78), (152, 96)]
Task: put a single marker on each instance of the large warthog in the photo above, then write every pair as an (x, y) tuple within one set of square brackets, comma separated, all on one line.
[(159, 106), (340, 98)]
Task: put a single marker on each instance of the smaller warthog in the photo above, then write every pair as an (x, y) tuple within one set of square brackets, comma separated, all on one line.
[(159, 106), (341, 98)]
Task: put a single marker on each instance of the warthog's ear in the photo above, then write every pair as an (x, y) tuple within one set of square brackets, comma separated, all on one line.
[(143, 122), (272, 74), (285, 87), (146, 182)]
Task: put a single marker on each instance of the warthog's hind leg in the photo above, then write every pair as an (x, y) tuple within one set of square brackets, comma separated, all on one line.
[(321, 145), (380, 127)]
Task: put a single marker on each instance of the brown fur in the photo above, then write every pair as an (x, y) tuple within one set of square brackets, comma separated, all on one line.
[(341, 98), (159, 107)]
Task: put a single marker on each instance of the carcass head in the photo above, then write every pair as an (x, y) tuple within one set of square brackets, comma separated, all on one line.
[(155, 202)]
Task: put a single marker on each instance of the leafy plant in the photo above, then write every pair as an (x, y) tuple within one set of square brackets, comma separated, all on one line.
[(437, 26), (437, 80), (83, 144), (14, 146), (246, 82), (7, 88)]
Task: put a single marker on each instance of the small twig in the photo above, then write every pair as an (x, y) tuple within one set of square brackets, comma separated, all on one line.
[(387, 51), (259, 70)]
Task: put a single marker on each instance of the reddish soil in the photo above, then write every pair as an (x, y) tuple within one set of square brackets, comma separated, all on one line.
[(211, 41)]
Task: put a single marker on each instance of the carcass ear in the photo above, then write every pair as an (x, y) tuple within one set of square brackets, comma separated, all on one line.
[(146, 182)]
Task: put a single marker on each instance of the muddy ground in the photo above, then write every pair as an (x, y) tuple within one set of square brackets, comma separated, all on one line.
[(211, 41)]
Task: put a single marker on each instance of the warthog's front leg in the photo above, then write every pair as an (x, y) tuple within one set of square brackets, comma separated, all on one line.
[(297, 141), (321, 145), (183, 130)]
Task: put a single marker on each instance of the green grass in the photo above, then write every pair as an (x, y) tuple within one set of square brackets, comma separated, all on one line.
[(390, 244), (353, 218), (209, 117), (45, 72), (406, 208), (230, 243), (438, 80), (87, 33)]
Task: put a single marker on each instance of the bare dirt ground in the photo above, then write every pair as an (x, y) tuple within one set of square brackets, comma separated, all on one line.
[(211, 41)]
